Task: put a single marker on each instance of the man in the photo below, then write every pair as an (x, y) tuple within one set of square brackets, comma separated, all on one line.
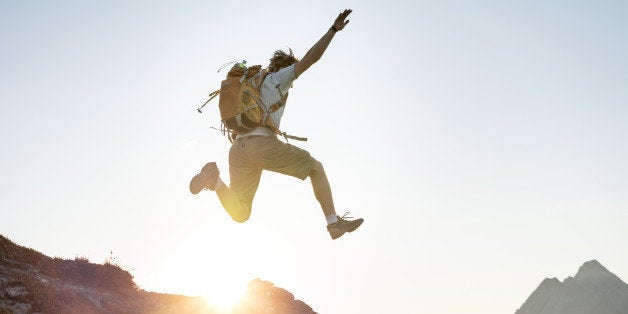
[(259, 149)]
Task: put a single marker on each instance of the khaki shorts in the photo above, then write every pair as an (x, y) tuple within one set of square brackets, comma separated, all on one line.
[(250, 155)]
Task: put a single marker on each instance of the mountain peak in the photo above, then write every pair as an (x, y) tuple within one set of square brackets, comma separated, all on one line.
[(592, 270), (593, 289)]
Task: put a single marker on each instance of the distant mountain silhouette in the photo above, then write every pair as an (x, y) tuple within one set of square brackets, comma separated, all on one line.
[(31, 282), (593, 290)]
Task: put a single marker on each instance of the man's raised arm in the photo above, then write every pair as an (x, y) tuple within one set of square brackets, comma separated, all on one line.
[(315, 53)]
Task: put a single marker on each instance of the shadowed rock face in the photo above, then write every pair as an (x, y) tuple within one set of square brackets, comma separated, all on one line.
[(31, 282), (593, 290)]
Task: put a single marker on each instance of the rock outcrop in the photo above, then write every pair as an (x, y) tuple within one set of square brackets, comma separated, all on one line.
[(264, 297)]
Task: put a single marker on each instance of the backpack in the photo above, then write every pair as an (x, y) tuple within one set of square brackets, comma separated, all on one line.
[(240, 103)]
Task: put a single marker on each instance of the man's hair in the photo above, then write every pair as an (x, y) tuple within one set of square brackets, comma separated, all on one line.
[(281, 59)]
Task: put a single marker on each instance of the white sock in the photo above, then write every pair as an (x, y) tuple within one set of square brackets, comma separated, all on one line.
[(218, 184), (332, 219)]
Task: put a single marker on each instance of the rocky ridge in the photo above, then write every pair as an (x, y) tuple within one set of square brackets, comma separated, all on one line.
[(31, 282)]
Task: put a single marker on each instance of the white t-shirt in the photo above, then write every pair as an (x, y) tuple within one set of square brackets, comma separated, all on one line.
[(270, 95)]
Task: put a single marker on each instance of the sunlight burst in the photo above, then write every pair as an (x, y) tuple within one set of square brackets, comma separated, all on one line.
[(225, 297)]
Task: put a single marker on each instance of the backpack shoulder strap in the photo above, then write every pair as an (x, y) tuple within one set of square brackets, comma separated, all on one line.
[(282, 101), (262, 77)]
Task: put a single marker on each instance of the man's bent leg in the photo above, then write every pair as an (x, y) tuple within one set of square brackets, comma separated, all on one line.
[(237, 206), (245, 176), (336, 225), (322, 190), (240, 211), (274, 155)]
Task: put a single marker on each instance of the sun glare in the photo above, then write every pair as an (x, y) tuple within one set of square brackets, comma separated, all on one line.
[(225, 297)]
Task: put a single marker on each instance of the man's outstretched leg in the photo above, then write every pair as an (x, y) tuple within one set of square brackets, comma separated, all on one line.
[(209, 178), (336, 225)]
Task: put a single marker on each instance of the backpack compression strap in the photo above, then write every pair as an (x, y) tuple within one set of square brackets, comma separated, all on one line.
[(211, 96), (292, 137)]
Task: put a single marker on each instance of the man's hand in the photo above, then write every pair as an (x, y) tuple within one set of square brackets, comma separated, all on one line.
[(340, 22), (320, 46)]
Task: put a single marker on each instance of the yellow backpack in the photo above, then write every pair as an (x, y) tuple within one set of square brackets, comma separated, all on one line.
[(240, 103)]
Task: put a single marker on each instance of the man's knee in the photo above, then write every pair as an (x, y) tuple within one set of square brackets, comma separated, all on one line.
[(241, 218), (317, 167), (241, 215)]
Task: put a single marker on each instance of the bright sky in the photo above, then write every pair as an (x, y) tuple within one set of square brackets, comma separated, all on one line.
[(484, 142)]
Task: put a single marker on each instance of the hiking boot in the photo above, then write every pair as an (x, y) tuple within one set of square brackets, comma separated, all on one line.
[(206, 179), (340, 227)]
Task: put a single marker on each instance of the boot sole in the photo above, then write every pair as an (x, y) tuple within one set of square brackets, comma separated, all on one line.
[(197, 185)]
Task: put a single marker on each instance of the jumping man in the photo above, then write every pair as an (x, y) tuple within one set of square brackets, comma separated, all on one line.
[(260, 149)]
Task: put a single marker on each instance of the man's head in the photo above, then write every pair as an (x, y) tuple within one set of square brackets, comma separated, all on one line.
[(281, 59)]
